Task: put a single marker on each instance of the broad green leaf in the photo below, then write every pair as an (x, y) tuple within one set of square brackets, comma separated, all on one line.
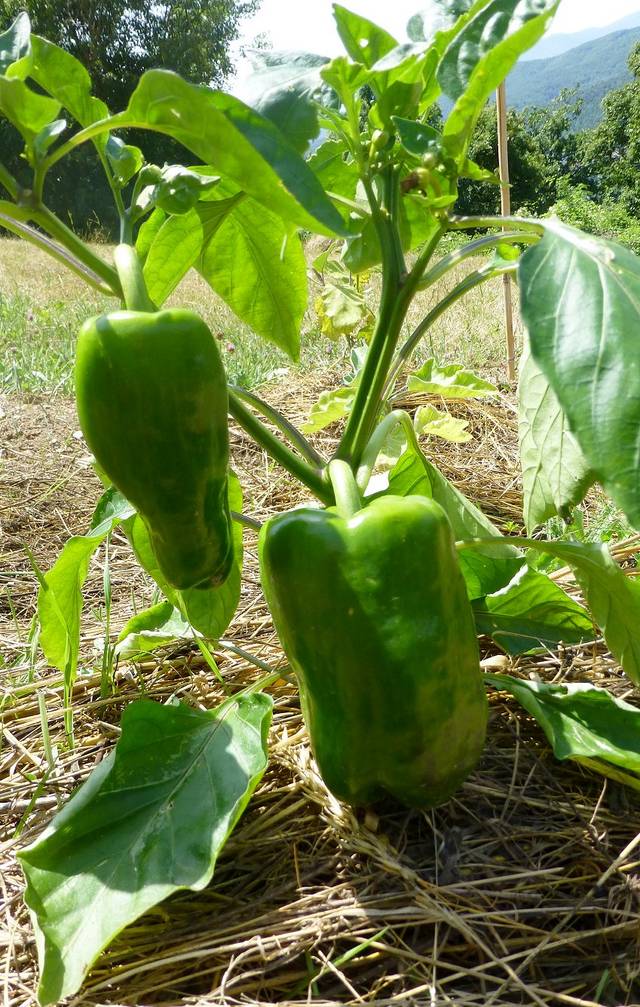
[(330, 407), (532, 611), (335, 170), (364, 41), (60, 595), (580, 300), (147, 233), (582, 722), (614, 598), (555, 476), (154, 627), (150, 820), (481, 56), (125, 160), (27, 111), (46, 137), (487, 568), (440, 16), (431, 421), (417, 138), (451, 382), (237, 142), (257, 266), (15, 48), (341, 309), (64, 77), (208, 611), (173, 251), (286, 87)]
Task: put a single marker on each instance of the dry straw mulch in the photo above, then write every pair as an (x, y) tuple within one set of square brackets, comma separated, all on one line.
[(523, 889)]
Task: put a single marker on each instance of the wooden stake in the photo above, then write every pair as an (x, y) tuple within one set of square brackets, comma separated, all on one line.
[(505, 206)]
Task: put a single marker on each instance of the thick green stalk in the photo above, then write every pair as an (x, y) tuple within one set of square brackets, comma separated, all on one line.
[(134, 289), (310, 477), (367, 401), (282, 423), (41, 241), (60, 232), (472, 280), (488, 241), (8, 182), (384, 430), (472, 223), (345, 488)]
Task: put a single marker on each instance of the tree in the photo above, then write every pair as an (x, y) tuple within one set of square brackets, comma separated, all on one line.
[(611, 151), (117, 40)]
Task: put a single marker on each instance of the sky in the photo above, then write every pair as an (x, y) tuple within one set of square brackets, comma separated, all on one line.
[(308, 24)]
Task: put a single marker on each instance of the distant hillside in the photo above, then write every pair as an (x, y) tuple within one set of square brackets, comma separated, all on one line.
[(554, 45), (598, 67)]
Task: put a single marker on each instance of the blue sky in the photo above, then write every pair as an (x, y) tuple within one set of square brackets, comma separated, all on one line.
[(308, 24)]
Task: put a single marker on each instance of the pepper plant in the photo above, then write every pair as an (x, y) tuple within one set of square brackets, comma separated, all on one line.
[(378, 588)]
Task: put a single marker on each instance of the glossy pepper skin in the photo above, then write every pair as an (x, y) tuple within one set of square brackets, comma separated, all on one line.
[(373, 615), (152, 400)]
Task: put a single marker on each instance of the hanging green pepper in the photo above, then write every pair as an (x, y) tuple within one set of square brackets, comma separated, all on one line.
[(373, 615), (152, 400)]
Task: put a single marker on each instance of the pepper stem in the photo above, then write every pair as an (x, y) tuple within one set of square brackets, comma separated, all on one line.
[(345, 488), (134, 289)]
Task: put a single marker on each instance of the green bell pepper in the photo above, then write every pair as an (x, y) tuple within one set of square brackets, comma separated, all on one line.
[(373, 615), (152, 400)]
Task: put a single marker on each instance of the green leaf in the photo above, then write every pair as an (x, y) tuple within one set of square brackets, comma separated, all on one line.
[(64, 77), (154, 627), (614, 598), (341, 309), (580, 300), (147, 233), (237, 142), (257, 266), (582, 722), (286, 87), (429, 420), (125, 160), (440, 16), (451, 382), (15, 48), (532, 611), (173, 251), (555, 475), (60, 596), (150, 820), (330, 407), (27, 111), (417, 138), (208, 611), (481, 56), (364, 41), (335, 170), (487, 568)]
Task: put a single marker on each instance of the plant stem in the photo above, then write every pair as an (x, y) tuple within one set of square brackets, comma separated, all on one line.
[(473, 248), (310, 477), (134, 289), (472, 280), (376, 444), (246, 521), (345, 488), (282, 423), (390, 318), (8, 182), (471, 223), (55, 227), (55, 251)]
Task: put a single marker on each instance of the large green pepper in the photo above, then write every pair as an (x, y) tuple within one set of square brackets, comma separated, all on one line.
[(152, 401), (373, 615)]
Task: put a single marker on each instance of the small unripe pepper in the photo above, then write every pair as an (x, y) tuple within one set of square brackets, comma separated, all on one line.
[(152, 400), (373, 615)]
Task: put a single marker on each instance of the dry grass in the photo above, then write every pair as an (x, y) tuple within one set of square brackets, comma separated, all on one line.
[(515, 892)]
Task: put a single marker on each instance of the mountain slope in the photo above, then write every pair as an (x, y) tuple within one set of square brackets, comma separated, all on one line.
[(555, 45), (597, 67)]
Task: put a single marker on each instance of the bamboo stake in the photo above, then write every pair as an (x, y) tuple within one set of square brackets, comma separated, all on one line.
[(505, 205)]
